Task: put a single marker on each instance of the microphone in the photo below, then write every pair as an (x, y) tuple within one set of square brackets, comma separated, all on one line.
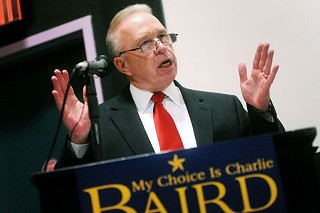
[(99, 66)]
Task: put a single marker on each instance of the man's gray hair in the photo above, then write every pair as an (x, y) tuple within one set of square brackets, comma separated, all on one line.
[(112, 40)]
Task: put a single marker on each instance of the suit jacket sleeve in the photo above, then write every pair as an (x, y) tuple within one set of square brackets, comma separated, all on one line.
[(260, 125), (68, 158)]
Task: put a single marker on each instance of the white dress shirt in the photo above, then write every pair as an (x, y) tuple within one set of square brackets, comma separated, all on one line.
[(173, 103)]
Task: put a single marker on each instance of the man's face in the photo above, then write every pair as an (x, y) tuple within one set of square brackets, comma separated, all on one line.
[(153, 71)]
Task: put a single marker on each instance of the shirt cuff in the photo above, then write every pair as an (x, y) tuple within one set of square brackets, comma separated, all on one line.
[(79, 149)]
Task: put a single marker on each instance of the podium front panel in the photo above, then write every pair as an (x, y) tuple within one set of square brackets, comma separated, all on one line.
[(238, 176)]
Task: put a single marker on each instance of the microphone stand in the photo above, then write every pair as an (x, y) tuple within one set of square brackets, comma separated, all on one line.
[(94, 115), (87, 69)]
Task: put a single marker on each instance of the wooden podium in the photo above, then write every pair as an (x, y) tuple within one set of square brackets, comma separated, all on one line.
[(266, 173)]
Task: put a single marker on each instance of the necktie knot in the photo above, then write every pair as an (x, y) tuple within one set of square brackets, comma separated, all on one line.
[(158, 97)]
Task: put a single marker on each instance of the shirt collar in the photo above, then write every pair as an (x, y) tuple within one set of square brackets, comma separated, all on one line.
[(142, 97)]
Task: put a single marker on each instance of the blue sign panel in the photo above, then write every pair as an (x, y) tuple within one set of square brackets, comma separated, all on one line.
[(234, 176)]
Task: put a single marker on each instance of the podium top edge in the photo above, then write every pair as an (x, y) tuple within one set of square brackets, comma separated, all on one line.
[(308, 134)]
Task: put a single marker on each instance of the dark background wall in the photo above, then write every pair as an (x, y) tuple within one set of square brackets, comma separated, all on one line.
[(28, 116)]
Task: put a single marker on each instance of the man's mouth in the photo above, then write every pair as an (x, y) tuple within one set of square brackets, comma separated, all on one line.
[(165, 64)]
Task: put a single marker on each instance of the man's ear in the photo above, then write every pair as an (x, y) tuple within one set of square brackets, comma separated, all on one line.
[(121, 66)]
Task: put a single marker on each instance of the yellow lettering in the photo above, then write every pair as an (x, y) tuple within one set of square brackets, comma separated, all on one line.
[(245, 195), (171, 180), (242, 168), (141, 186), (153, 198), (215, 173), (183, 200), (231, 169), (162, 181), (95, 200), (203, 202), (138, 187)]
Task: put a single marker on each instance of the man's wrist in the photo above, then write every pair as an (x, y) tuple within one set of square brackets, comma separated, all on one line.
[(266, 114)]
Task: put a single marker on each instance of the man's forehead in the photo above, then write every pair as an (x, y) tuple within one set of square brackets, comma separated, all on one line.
[(141, 25), (140, 18)]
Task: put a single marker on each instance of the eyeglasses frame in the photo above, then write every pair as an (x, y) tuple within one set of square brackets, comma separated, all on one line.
[(173, 37)]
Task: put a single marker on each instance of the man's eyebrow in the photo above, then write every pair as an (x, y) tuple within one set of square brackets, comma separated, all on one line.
[(141, 38), (164, 31)]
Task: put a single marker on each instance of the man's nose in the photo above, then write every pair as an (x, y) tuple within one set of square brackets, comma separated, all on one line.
[(160, 47)]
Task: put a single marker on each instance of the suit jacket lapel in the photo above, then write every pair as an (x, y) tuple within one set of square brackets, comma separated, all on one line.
[(127, 121), (200, 114)]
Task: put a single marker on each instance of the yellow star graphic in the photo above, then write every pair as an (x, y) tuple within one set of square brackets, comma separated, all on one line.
[(176, 163)]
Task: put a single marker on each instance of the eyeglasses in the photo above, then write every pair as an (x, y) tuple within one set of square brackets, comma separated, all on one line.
[(150, 45)]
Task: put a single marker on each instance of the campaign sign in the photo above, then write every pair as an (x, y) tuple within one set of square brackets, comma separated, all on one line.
[(234, 176)]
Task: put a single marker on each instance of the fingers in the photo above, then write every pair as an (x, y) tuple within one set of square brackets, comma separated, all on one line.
[(263, 60), (242, 72), (263, 56), (257, 56), (84, 93), (60, 81), (272, 74), (57, 99), (57, 81), (57, 91), (268, 63)]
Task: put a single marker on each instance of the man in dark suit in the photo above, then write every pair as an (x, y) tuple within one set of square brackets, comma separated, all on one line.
[(142, 50)]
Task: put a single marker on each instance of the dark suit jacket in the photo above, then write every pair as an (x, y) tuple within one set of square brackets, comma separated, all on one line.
[(214, 116)]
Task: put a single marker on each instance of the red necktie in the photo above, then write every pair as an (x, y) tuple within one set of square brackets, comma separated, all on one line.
[(167, 132)]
